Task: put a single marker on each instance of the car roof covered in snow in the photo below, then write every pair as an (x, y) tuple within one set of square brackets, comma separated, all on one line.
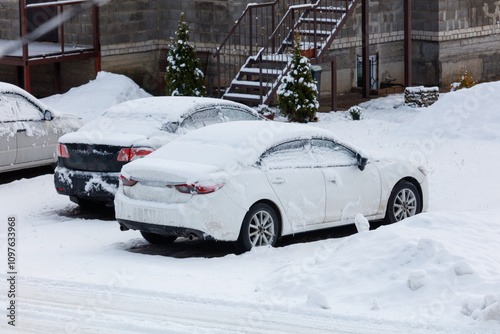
[(130, 121), (168, 108), (227, 145)]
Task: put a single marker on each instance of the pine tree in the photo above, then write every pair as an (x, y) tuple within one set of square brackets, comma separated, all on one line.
[(298, 94), (183, 75)]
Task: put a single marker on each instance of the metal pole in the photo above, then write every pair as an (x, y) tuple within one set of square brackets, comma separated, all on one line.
[(24, 38), (407, 43), (365, 31), (96, 33), (218, 75), (334, 84)]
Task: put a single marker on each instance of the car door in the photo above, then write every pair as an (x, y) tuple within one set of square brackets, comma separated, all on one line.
[(299, 186), (36, 139), (8, 144), (349, 190)]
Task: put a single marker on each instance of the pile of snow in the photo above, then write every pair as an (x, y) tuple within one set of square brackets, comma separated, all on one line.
[(466, 113), (438, 272), (90, 100), (430, 267)]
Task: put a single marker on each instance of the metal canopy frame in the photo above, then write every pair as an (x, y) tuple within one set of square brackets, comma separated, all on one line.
[(26, 60)]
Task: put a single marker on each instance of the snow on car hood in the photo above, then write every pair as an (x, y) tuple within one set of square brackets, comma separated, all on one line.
[(235, 144)]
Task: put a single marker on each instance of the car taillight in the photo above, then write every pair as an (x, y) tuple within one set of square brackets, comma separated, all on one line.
[(127, 182), (197, 189), (129, 154), (62, 151)]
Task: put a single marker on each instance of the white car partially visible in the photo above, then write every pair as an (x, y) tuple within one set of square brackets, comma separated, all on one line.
[(253, 182), (29, 130)]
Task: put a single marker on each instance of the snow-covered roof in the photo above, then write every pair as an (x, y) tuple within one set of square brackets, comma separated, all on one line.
[(235, 143)]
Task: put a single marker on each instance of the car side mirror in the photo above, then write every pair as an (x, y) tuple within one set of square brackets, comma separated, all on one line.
[(362, 161), (47, 115)]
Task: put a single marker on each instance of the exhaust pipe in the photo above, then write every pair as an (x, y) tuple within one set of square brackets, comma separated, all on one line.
[(123, 228), (192, 237)]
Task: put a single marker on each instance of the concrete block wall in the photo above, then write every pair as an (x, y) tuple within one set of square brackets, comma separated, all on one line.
[(9, 19)]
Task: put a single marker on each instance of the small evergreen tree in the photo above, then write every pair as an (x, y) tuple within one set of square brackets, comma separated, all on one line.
[(183, 76), (298, 94)]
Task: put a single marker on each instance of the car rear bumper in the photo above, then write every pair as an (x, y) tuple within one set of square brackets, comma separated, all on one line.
[(100, 186), (211, 216)]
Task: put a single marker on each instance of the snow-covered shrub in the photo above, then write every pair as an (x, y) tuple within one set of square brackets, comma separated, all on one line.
[(355, 112), (298, 94), (464, 81), (183, 74)]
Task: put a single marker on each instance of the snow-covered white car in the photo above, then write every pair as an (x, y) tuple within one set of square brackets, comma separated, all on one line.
[(29, 130), (253, 182), (90, 159)]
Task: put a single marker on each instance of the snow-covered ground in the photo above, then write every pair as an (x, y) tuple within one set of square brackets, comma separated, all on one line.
[(438, 272)]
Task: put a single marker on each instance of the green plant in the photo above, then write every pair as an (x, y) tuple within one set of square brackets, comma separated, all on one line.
[(464, 81), (183, 74), (355, 112), (298, 94)]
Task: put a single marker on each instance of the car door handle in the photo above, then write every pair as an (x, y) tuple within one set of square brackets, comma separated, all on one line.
[(278, 180), (21, 130)]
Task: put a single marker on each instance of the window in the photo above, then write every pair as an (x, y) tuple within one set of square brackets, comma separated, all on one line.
[(235, 114), (373, 71), (291, 154), (202, 118), (16, 108), (327, 153)]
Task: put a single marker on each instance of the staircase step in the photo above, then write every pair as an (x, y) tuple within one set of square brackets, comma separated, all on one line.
[(331, 9), (310, 32), (242, 97), (266, 71), (253, 84), (319, 20)]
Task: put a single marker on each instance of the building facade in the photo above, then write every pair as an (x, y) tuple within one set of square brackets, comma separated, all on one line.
[(447, 36)]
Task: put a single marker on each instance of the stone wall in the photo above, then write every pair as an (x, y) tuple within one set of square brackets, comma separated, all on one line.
[(9, 19), (450, 35)]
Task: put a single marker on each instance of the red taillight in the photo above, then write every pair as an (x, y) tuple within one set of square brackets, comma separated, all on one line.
[(129, 154), (197, 189), (127, 182), (62, 151)]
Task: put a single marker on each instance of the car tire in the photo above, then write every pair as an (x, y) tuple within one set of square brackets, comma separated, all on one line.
[(405, 201), (260, 228), (158, 239)]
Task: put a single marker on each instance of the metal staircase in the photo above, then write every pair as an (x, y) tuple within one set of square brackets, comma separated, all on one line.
[(256, 54)]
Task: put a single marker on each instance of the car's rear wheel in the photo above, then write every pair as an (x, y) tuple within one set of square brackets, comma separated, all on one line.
[(405, 201), (158, 239), (260, 228)]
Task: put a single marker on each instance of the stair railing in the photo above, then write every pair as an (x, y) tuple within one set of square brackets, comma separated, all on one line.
[(317, 32), (249, 33)]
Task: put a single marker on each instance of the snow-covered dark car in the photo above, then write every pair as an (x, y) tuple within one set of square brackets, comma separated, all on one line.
[(29, 130), (90, 159)]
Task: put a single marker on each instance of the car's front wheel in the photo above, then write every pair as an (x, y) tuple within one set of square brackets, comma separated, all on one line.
[(260, 228), (158, 239), (405, 201)]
